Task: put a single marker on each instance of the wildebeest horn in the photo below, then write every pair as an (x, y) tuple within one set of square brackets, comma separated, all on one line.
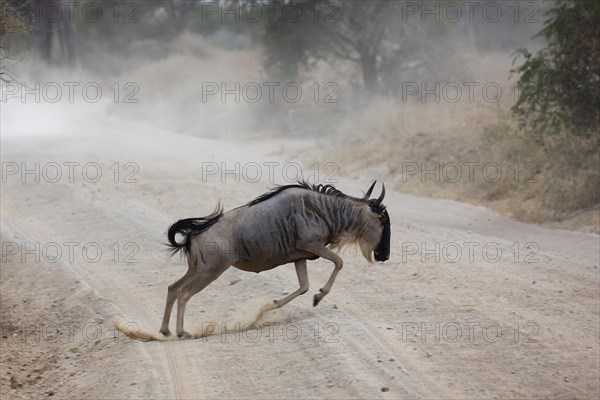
[(368, 194), (381, 196)]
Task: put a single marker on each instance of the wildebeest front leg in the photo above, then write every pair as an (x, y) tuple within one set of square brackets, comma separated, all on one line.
[(322, 251), (302, 279)]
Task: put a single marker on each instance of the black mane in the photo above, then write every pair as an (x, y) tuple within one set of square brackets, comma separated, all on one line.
[(328, 190)]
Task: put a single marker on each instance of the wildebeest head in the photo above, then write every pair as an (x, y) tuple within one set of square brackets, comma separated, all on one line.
[(377, 239)]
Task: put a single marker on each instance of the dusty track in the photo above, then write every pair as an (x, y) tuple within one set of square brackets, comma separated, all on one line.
[(365, 336)]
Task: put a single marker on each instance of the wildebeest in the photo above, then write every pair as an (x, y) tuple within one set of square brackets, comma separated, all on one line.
[(291, 223)]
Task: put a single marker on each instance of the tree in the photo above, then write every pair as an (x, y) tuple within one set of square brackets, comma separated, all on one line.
[(358, 36), (373, 35), (339, 30), (559, 87), (288, 39), (11, 23)]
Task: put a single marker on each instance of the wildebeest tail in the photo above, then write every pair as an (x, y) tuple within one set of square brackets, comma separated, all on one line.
[(191, 227)]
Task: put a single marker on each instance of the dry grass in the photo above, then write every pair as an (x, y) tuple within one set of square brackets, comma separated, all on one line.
[(547, 182), (538, 182)]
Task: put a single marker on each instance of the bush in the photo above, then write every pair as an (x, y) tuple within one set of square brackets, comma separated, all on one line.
[(560, 85)]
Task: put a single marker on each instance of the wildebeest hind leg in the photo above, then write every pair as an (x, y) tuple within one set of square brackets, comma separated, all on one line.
[(171, 297), (202, 278)]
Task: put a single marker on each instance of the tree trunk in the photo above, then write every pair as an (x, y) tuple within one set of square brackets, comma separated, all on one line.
[(369, 72), (53, 37)]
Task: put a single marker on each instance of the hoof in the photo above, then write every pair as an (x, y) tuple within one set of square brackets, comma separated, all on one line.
[(165, 332), (269, 307), (316, 300), (318, 297), (184, 335)]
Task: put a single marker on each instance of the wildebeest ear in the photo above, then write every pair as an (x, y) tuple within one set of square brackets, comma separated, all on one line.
[(368, 194)]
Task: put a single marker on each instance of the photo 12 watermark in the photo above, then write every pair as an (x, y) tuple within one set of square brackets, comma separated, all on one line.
[(69, 252), (253, 332), (463, 92), (271, 171), (470, 252), (272, 12), (490, 12), (473, 332), (270, 92), (88, 11), (54, 92), (69, 172), (468, 172), (62, 333)]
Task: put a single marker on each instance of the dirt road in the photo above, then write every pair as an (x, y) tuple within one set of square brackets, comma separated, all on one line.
[(470, 305)]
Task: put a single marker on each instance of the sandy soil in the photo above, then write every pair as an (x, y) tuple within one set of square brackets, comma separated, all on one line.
[(514, 315)]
